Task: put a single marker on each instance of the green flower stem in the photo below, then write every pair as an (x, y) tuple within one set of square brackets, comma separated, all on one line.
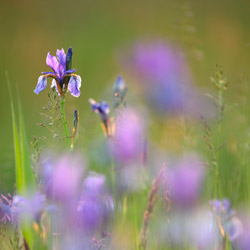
[(64, 122)]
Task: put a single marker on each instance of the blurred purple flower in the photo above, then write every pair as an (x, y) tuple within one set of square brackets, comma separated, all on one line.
[(31, 208), (190, 229), (158, 61), (5, 209), (128, 138), (62, 178), (184, 181), (222, 208), (243, 240), (227, 221), (95, 204), (63, 77), (162, 71), (164, 78)]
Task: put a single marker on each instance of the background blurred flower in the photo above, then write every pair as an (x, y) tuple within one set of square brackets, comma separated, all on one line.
[(162, 74), (243, 240), (164, 79), (191, 229), (6, 214), (29, 208), (184, 180), (227, 222), (95, 205), (62, 177), (129, 136)]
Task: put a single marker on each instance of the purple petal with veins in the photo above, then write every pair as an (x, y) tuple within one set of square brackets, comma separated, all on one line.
[(41, 84), (52, 62), (74, 85), (61, 56)]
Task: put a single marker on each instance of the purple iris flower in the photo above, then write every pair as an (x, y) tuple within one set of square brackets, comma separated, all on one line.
[(63, 76), (102, 108)]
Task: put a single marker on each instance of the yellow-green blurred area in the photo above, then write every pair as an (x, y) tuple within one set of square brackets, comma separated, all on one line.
[(211, 32)]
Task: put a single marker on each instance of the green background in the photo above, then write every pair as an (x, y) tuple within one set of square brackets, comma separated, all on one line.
[(99, 32)]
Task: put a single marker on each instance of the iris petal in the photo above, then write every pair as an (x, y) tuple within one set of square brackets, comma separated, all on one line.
[(41, 84), (70, 71), (54, 85), (52, 62), (74, 85), (61, 56)]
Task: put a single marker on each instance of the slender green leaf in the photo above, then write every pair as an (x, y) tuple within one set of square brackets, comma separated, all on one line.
[(28, 175), (24, 176), (19, 174)]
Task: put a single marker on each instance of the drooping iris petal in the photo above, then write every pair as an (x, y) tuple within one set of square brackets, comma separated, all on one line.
[(52, 62), (74, 85), (41, 84), (61, 56), (54, 85)]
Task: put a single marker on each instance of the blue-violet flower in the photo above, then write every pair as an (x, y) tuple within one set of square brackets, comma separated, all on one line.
[(63, 76)]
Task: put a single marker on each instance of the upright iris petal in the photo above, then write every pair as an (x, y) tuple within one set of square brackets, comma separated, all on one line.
[(52, 62), (41, 84), (74, 85), (69, 59), (61, 56)]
